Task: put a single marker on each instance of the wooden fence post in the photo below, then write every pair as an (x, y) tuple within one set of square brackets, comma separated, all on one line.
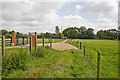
[(43, 42), (84, 51), (30, 44), (14, 38), (3, 45), (98, 66), (51, 42), (23, 41), (17, 41), (36, 42), (80, 45), (11, 41), (27, 40)]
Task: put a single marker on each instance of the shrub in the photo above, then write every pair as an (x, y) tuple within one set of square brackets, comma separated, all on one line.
[(47, 47), (41, 52), (14, 61)]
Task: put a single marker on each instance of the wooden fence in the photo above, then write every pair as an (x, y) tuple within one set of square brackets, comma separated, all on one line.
[(75, 43), (27, 40), (98, 64)]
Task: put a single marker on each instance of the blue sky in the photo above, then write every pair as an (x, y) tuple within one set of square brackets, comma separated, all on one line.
[(69, 9)]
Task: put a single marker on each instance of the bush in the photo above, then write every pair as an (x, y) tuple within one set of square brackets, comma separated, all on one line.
[(41, 52), (47, 47), (14, 61)]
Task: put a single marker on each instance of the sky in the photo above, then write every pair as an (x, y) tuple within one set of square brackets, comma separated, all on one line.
[(42, 16)]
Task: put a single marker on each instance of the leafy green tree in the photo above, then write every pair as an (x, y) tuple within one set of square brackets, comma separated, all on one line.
[(18, 34), (59, 35), (8, 35), (48, 35), (53, 35), (4, 32), (100, 34), (70, 32), (42, 35), (90, 33), (57, 30), (10, 32), (107, 34), (82, 32)]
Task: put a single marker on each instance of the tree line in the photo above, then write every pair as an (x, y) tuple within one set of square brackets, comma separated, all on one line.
[(8, 34), (72, 33), (57, 34), (84, 33)]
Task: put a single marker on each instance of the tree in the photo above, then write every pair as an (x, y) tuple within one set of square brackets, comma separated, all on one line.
[(48, 35), (4, 32), (56, 29), (107, 34), (53, 35), (10, 32), (70, 32), (82, 32), (79, 33), (8, 35), (59, 35), (42, 35), (18, 34), (90, 33)]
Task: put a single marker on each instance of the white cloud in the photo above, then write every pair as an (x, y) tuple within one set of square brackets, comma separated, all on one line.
[(78, 8), (102, 8), (104, 23), (41, 17), (20, 16)]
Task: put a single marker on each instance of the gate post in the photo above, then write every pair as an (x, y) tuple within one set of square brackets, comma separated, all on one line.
[(51, 42), (3, 45), (14, 39), (33, 40), (43, 42), (23, 41), (36, 42), (11, 41), (17, 40), (98, 66), (84, 51), (80, 45), (30, 44), (27, 40)]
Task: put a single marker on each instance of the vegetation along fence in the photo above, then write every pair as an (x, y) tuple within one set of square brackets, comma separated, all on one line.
[(101, 67)]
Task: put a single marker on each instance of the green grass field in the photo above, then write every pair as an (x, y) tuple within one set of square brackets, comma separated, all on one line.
[(68, 63), (109, 55)]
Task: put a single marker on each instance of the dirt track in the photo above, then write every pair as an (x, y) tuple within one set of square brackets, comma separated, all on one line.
[(57, 46)]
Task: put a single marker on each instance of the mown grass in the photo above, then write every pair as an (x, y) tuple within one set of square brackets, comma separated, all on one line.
[(109, 55)]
